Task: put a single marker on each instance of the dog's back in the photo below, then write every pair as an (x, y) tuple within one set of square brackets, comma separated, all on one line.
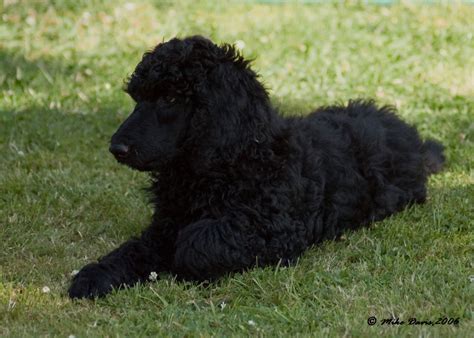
[(371, 162)]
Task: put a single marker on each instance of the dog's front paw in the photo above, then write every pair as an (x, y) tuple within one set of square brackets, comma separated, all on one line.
[(91, 282)]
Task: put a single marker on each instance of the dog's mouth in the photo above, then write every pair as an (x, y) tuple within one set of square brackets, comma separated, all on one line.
[(138, 164), (147, 166)]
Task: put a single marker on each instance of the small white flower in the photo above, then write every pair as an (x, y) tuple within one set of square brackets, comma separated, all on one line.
[(222, 305), (240, 44), (153, 276), (31, 20), (71, 336), (471, 278), (129, 6), (45, 289), (74, 272), (251, 323)]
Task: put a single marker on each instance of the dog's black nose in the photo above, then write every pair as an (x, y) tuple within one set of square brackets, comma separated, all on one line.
[(119, 149)]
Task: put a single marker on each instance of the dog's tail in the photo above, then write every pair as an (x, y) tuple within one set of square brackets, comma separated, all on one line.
[(433, 156)]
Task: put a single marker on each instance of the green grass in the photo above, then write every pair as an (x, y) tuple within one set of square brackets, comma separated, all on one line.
[(64, 201)]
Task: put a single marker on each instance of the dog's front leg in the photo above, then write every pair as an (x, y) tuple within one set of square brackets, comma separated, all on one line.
[(130, 263), (208, 249)]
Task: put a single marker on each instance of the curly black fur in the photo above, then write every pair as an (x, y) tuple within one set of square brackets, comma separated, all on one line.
[(235, 184)]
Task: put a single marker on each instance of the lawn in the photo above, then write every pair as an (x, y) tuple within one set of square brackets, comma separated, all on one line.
[(64, 201)]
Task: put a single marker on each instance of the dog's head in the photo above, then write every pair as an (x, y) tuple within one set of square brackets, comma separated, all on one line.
[(191, 95)]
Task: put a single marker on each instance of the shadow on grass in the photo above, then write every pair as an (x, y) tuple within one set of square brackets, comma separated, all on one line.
[(43, 129)]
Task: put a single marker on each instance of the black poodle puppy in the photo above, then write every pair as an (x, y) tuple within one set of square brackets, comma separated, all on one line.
[(235, 184)]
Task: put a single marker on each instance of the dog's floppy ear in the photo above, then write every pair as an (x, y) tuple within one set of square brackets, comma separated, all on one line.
[(232, 107)]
